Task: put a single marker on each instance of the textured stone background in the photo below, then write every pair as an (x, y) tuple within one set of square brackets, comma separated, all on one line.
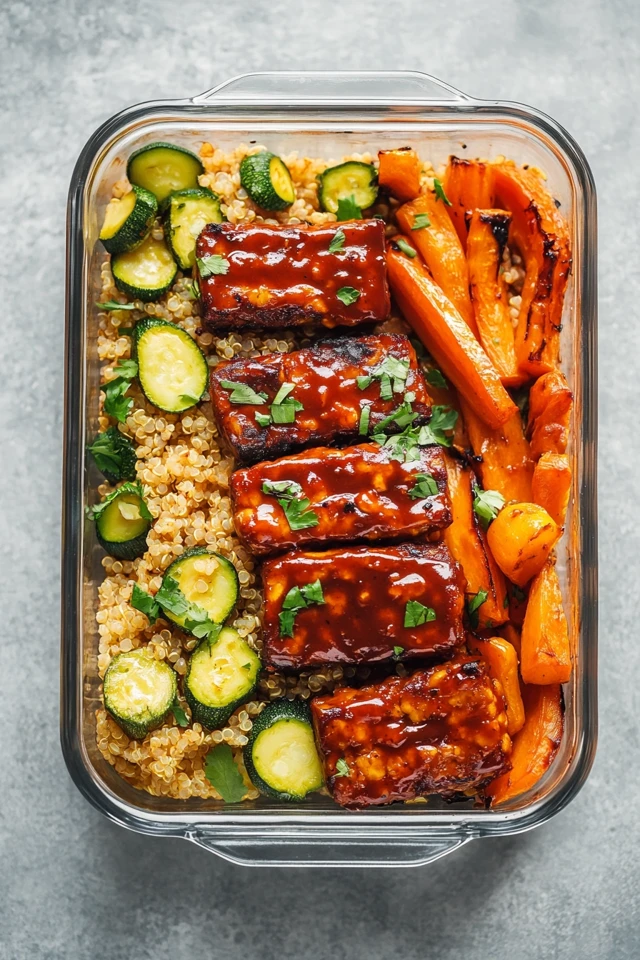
[(71, 884)]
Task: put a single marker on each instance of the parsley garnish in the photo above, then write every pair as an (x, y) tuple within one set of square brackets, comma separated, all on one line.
[(435, 378), (337, 242), (145, 603), (487, 504), (193, 288), (212, 266), (440, 194), (127, 369), (284, 408), (420, 221), (243, 393), (297, 599), (110, 452), (283, 392), (179, 714), (342, 768), (425, 486), (291, 498), (365, 414), (263, 419), (348, 209), (406, 248), (398, 651), (187, 398), (114, 305), (402, 416), (222, 773), (443, 421), (135, 488), (348, 295), (364, 382), (116, 404), (171, 598), (473, 607), (415, 614)]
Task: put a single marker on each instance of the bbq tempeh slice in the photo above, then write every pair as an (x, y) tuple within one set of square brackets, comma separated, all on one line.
[(372, 603), (326, 494), (327, 394), (441, 730), (288, 275)]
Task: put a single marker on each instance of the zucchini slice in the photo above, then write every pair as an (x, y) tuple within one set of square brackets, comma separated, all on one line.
[(139, 691), (114, 455), (172, 369), (163, 168), (267, 180), (127, 221), (146, 272), (188, 213), (222, 674), (197, 569), (352, 179), (281, 756), (122, 523)]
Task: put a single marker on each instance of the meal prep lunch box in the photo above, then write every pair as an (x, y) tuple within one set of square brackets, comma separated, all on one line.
[(327, 115)]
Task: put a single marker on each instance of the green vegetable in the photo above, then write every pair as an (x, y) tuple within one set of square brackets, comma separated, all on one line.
[(435, 378), (146, 272), (440, 194), (128, 220), (415, 614), (443, 421), (179, 714), (291, 498), (342, 768), (398, 651), (194, 289), (221, 771), (263, 419), (337, 242), (364, 382), (425, 486), (354, 182), (365, 416), (115, 305), (243, 393), (139, 691), (487, 504), (122, 522), (284, 407), (297, 599), (402, 416), (214, 265), (220, 596), (114, 455), (420, 221), (164, 168), (406, 248), (173, 370), (267, 180), (187, 214), (116, 404), (348, 295), (281, 756), (145, 603), (221, 676), (473, 606)]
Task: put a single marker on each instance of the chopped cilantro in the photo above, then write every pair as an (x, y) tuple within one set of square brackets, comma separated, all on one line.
[(365, 414), (406, 248), (145, 603), (338, 241), (263, 419), (114, 305), (348, 209), (179, 714), (398, 651), (283, 392), (221, 771), (473, 607), (134, 488), (213, 265), (440, 194), (425, 486), (348, 295), (243, 393), (420, 221), (487, 504), (295, 505), (342, 768), (443, 421), (416, 614), (297, 599), (435, 378), (364, 382)]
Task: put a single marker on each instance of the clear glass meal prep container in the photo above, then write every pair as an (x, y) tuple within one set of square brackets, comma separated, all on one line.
[(326, 115)]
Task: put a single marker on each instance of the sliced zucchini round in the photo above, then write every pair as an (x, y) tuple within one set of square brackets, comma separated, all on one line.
[(197, 569), (114, 455), (127, 221), (352, 179), (187, 214), (281, 756), (172, 369), (222, 674), (267, 180), (122, 526), (163, 168), (146, 272), (139, 691)]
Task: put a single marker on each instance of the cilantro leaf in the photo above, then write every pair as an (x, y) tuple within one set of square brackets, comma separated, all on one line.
[(348, 295), (193, 288), (342, 768), (114, 455), (114, 305), (487, 504), (116, 404), (418, 346), (348, 209), (295, 505), (365, 415), (285, 412), (171, 598), (187, 398), (420, 221), (134, 488), (145, 603), (364, 382), (443, 420), (213, 265), (243, 393), (435, 378), (440, 194), (312, 592), (386, 390), (283, 392), (298, 598), (179, 714), (415, 614), (402, 416), (425, 486), (473, 607), (127, 369), (406, 248), (263, 419), (337, 242), (398, 651), (221, 771)]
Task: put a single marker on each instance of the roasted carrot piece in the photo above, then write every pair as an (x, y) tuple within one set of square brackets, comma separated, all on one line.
[(502, 663), (468, 185), (535, 746), (506, 463), (467, 544), (552, 484), (521, 538), (399, 172), (541, 235), (550, 403), (440, 248), (511, 634), (448, 338), (545, 656), (488, 235), (518, 597)]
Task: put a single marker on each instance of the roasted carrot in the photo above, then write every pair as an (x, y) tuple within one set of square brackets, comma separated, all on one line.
[(521, 538), (518, 597), (467, 184), (448, 338), (550, 403), (511, 634), (467, 544), (541, 235), (545, 656), (506, 464), (552, 484), (440, 248), (399, 172), (502, 662), (488, 235), (535, 746)]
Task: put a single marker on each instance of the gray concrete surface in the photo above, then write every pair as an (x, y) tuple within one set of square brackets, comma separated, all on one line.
[(71, 884)]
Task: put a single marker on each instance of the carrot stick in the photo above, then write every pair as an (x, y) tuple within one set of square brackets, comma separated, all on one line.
[(552, 484), (511, 634), (550, 404), (399, 172), (506, 463), (467, 184), (502, 661), (545, 655), (448, 338)]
